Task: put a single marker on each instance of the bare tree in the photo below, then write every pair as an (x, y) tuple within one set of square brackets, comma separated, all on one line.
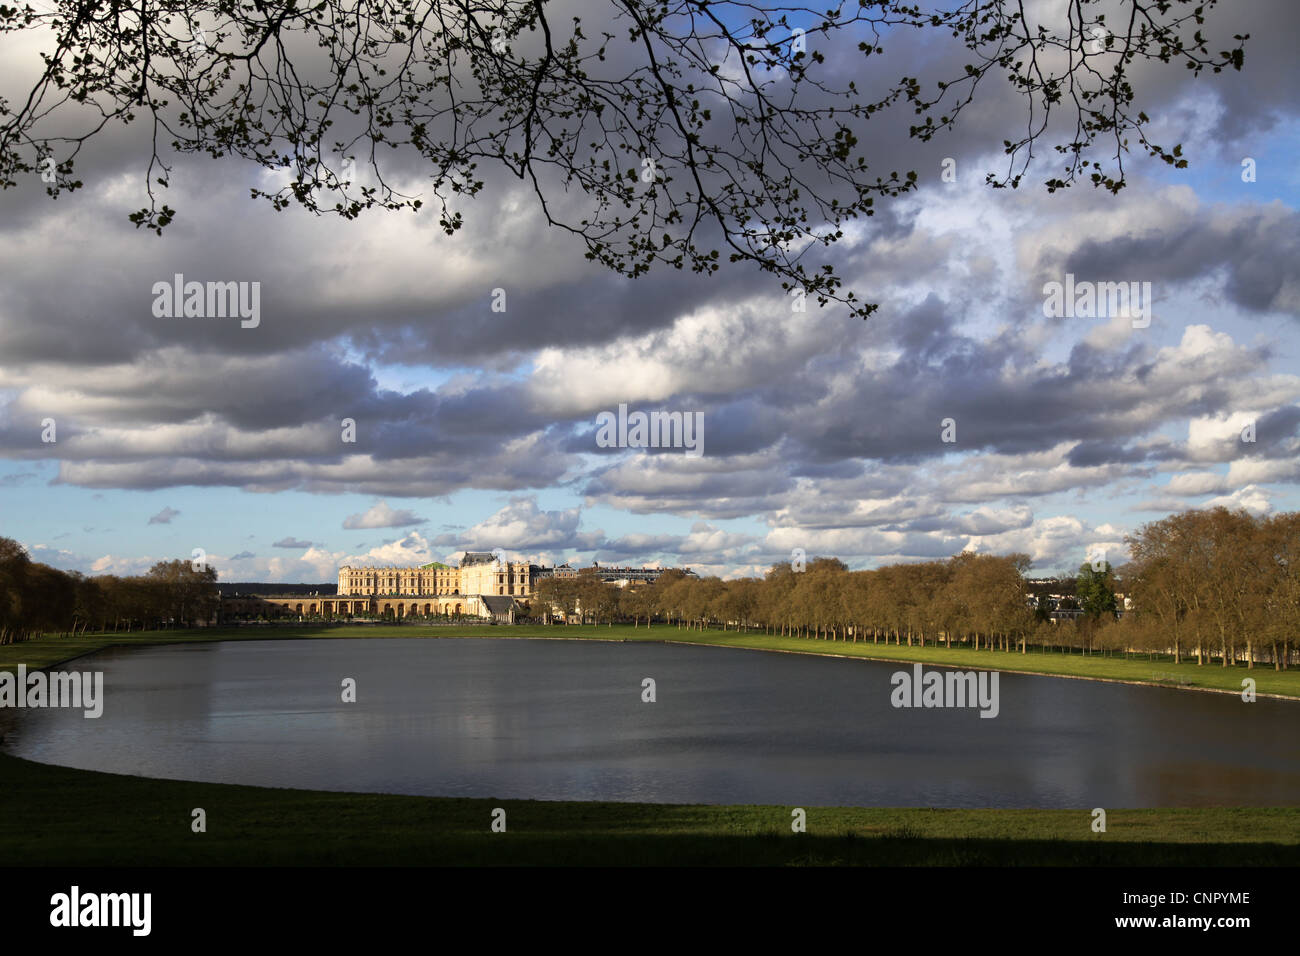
[(667, 132)]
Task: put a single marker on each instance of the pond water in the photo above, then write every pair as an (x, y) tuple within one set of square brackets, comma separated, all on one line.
[(565, 720)]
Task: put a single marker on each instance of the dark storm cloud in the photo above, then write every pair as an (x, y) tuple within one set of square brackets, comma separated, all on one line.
[(1273, 428), (1254, 100), (1002, 402), (1089, 453), (1258, 247), (816, 417)]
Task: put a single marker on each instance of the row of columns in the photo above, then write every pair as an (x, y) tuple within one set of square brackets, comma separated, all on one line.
[(335, 607)]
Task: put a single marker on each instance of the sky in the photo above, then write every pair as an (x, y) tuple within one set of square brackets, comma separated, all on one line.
[(478, 429)]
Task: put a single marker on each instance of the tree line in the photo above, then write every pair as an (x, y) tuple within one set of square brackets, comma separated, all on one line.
[(980, 598), (1222, 586), (37, 599), (1217, 584)]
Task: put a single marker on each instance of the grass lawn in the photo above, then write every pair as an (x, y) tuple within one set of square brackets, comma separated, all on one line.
[(59, 816), (54, 816)]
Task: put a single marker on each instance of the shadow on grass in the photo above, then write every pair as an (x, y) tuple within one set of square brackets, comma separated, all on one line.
[(57, 816)]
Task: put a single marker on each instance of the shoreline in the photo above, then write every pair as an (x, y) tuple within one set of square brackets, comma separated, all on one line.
[(197, 636), (1001, 670)]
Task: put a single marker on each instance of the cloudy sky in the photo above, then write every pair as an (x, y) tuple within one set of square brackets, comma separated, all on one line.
[(476, 429)]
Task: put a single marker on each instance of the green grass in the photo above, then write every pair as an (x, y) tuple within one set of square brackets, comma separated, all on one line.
[(1163, 672), (55, 816), (60, 816), (48, 651)]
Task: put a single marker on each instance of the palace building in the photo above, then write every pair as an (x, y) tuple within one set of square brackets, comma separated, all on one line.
[(482, 587), (479, 573)]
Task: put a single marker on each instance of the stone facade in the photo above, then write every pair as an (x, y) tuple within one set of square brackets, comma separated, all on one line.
[(479, 573), (419, 581)]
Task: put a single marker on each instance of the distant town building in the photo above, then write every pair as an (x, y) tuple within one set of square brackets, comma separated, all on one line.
[(1053, 597), (625, 577), (559, 571)]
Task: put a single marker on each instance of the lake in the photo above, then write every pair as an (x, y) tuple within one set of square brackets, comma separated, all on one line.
[(565, 720)]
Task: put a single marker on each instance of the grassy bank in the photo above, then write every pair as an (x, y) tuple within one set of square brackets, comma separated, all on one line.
[(54, 816), (48, 651)]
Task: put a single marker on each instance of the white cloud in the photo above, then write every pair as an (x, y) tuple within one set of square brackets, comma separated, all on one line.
[(381, 515)]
